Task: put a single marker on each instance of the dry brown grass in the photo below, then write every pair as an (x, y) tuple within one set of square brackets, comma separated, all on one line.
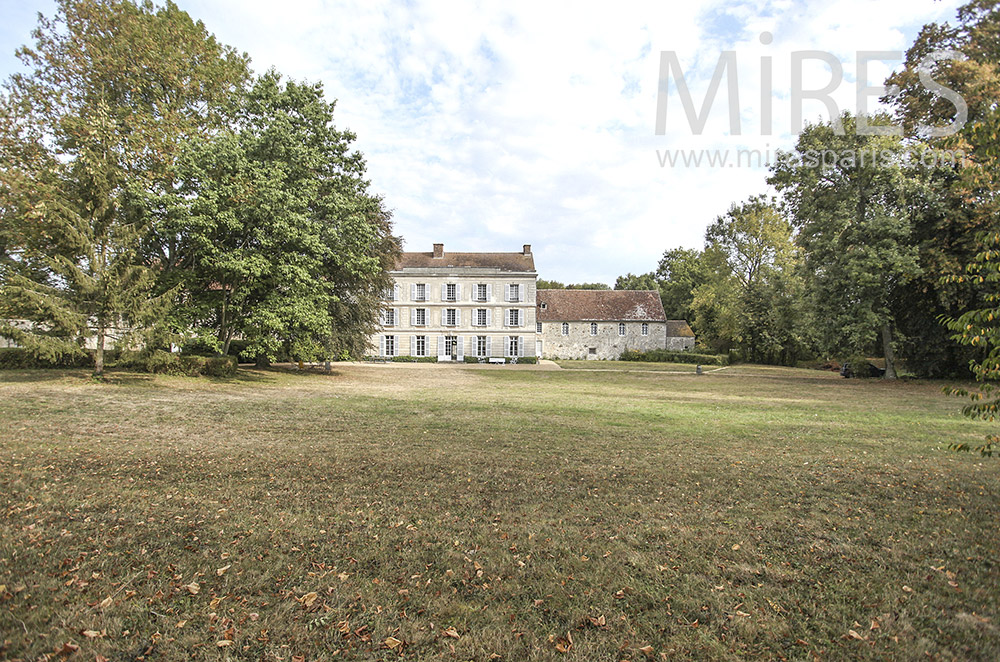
[(443, 512)]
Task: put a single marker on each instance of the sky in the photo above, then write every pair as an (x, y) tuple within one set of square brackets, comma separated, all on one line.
[(488, 125)]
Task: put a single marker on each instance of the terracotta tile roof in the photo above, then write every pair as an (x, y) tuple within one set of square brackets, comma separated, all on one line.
[(518, 262), (679, 329), (599, 306)]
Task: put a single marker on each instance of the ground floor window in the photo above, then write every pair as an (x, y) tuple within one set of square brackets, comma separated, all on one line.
[(565, 328), (621, 328), (645, 329), (514, 346), (420, 347), (451, 345), (389, 346), (482, 346)]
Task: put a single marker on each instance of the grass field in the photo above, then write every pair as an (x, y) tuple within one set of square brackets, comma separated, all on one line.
[(471, 513)]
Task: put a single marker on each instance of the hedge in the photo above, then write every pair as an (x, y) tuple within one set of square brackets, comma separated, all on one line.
[(667, 356), (166, 363), (159, 362), (16, 358)]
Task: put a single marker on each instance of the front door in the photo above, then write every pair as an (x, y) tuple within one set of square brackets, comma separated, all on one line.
[(538, 348)]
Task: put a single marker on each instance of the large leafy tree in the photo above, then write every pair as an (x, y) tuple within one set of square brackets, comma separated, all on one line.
[(750, 300), (679, 272), (91, 136), (959, 200), (846, 197), (287, 249)]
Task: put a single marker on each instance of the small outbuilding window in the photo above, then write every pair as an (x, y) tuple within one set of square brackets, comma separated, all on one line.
[(593, 328), (621, 328), (565, 328), (645, 328)]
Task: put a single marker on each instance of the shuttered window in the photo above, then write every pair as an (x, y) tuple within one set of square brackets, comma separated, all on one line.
[(482, 346), (389, 346), (420, 292), (420, 345), (481, 292), (481, 317)]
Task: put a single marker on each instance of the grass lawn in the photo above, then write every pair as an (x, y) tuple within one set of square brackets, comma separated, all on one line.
[(443, 512)]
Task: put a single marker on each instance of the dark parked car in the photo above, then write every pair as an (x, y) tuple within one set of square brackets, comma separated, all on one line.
[(866, 370)]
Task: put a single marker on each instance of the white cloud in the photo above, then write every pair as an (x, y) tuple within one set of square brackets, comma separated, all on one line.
[(489, 126)]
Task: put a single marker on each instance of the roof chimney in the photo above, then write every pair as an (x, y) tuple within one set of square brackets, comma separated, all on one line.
[(438, 250), (527, 249)]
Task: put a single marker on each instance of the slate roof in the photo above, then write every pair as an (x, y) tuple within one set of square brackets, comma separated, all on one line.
[(513, 262), (600, 306)]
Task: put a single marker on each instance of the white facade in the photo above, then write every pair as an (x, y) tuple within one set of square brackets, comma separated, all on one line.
[(451, 306)]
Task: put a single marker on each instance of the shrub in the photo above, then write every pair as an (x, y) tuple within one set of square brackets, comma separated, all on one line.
[(667, 356), (220, 366), (201, 347), (527, 360), (414, 359)]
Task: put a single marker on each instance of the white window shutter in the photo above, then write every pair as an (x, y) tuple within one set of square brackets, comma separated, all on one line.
[(506, 292), (461, 349), (440, 345), (395, 292), (520, 346), (381, 345), (395, 316), (444, 291), (458, 292), (489, 291), (489, 317), (413, 316), (520, 318), (413, 291), (489, 346), (413, 345)]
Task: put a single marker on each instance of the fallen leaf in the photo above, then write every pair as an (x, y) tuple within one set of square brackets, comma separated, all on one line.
[(908, 589), (222, 643), (221, 571), (181, 624), (451, 632), (854, 635), (192, 588), (736, 547), (392, 642), (599, 622), (105, 603), (91, 634), (309, 598), (646, 650), (68, 649)]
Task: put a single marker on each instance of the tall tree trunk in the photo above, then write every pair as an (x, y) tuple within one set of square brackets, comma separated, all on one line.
[(99, 354), (890, 355)]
